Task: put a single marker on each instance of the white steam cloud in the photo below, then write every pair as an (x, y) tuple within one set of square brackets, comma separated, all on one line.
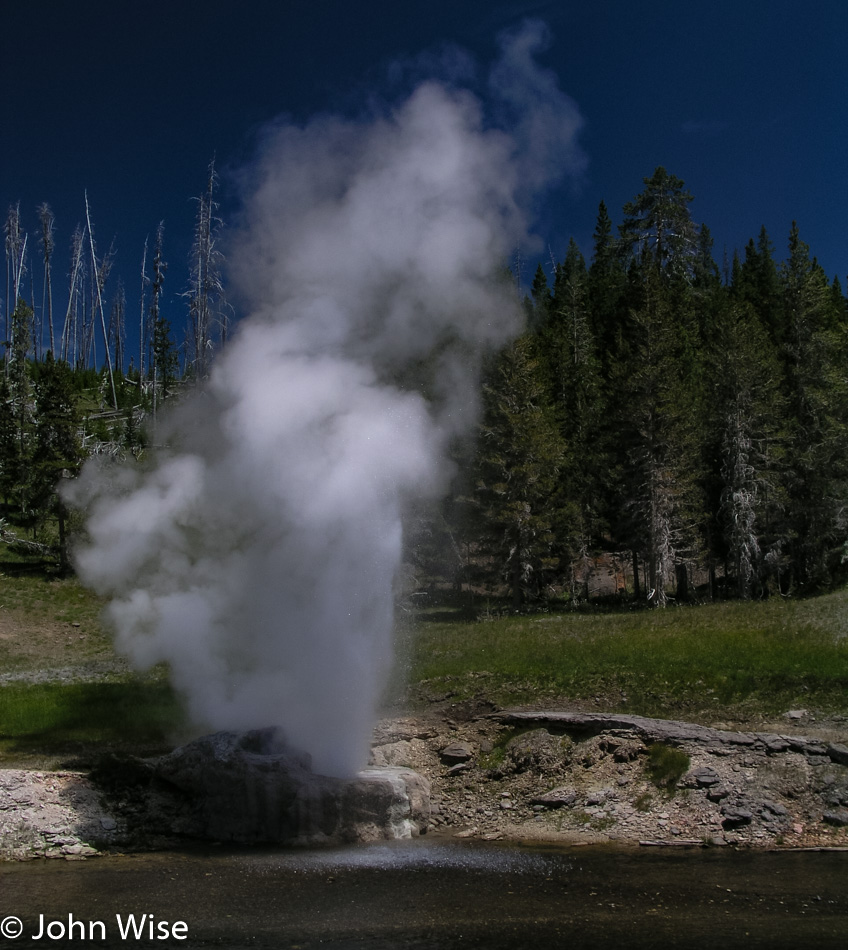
[(257, 554)]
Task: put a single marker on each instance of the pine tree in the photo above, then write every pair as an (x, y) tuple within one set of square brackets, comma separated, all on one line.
[(163, 361), (573, 370), (17, 424), (606, 286), (658, 227), (11, 468), (655, 382), (540, 296), (756, 282), (747, 410), (57, 451), (517, 472), (16, 241), (815, 350)]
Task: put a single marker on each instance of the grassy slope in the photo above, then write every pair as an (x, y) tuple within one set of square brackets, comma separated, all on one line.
[(49, 622), (710, 661), (729, 660)]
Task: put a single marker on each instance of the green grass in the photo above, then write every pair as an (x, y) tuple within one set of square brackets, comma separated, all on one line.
[(718, 659), (666, 766), (45, 597), (73, 723)]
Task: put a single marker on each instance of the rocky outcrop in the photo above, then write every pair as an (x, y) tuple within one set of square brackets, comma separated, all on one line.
[(573, 776), (251, 787), (672, 732), (555, 776), (52, 815), (248, 787)]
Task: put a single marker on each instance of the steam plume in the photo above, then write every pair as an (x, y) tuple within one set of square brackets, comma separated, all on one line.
[(257, 555)]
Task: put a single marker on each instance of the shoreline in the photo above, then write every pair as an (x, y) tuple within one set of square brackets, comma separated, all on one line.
[(536, 776)]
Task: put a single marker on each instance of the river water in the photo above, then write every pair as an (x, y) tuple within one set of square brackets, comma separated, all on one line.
[(432, 894)]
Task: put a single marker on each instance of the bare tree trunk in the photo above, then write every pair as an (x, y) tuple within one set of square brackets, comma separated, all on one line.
[(69, 330), (97, 279), (206, 285), (515, 577), (682, 578), (117, 330), (47, 243), (636, 586), (141, 340)]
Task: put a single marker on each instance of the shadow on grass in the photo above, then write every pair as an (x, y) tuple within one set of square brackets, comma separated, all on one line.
[(31, 567), (78, 722)]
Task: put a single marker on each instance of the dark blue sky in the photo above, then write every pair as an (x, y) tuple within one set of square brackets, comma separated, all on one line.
[(745, 100)]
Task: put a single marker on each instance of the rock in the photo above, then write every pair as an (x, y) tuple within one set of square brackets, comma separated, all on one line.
[(391, 754), (735, 817), (812, 748), (775, 808), (837, 817), (838, 753), (703, 777), (717, 794), (837, 796), (457, 752), (775, 744), (536, 750), (252, 787), (797, 714), (649, 730), (628, 751), (557, 798)]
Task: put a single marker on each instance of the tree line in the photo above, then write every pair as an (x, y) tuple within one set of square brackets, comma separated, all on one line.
[(89, 329), (658, 408), (70, 387)]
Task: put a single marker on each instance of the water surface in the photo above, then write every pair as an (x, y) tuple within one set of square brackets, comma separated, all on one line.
[(436, 894)]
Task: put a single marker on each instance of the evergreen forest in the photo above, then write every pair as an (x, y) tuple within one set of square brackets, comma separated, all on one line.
[(665, 430)]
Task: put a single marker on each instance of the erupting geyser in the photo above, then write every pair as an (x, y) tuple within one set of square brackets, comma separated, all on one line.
[(256, 553)]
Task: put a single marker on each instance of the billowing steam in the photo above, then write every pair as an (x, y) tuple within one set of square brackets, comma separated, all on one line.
[(257, 553)]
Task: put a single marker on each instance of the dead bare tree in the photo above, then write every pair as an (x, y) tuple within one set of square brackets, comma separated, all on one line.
[(77, 273), (100, 274), (15, 265), (117, 331), (158, 356), (141, 334), (205, 293), (46, 217)]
